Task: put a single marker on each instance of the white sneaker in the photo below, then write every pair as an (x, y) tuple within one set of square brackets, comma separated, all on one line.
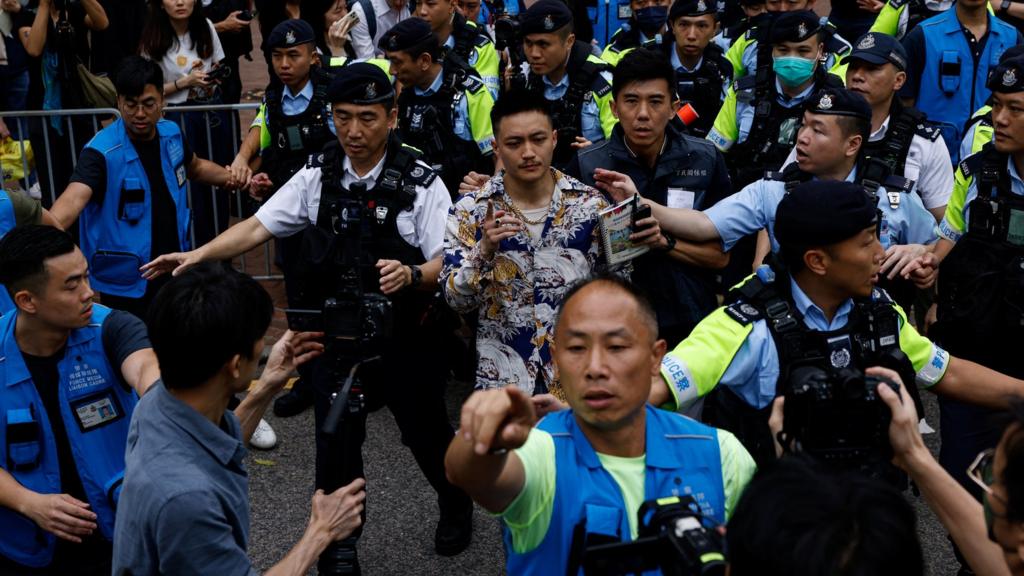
[(264, 437)]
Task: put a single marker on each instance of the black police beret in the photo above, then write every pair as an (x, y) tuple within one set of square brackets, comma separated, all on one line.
[(290, 33), (795, 26), (839, 102), (544, 17), (691, 8), (360, 83), (823, 212), (1008, 76), (878, 48), (405, 34)]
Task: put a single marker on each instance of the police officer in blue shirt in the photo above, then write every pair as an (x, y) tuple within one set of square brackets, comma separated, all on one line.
[(836, 122), (70, 374), (130, 188)]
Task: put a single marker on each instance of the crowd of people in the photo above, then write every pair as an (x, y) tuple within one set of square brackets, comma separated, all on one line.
[(699, 273)]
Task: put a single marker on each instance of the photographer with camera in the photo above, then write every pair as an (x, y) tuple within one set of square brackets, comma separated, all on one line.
[(369, 179), (577, 479), (816, 305)]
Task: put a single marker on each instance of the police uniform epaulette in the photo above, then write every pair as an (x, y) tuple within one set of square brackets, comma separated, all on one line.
[(482, 40), (472, 84), (971, 164), (315, 160), (743, 313), (897, 3), (601, 86), (748, 82), (881, 296), (750, 33), (421, 174), (928, 131)]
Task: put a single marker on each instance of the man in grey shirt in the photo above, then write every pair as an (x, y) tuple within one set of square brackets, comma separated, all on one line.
[(184, 503)]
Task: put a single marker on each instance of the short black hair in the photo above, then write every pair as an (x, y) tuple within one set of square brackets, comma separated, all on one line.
[(854, 126), (431, 46), (643, 303), (24, 252), (134, 73), (202, 318), (518, 101), (640, 65), (797, 519)]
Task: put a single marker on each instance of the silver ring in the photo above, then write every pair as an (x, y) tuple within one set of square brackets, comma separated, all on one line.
[(497, 223)]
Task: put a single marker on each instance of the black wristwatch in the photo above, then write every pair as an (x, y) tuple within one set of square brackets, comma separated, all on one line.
[(1004, 6), (671, 242), (417, 275)]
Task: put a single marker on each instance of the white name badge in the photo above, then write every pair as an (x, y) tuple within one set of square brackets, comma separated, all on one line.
[(679, 198), (94, 413)]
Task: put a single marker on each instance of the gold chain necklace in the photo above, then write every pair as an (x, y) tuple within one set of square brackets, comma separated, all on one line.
[(519, 213)]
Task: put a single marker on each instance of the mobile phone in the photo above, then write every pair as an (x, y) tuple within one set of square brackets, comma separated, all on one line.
[(246, 15), (350, 17), (639, 213), (221, 72), (304, 320)]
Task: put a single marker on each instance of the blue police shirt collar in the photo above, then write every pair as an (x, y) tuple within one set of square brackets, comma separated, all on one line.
[(306, 92), (804, 95), (814, 316), (434, 86), (677, 64), (450, 42), (1014, 175)]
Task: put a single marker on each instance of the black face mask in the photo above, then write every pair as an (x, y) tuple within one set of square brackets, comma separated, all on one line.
[(651, 19)]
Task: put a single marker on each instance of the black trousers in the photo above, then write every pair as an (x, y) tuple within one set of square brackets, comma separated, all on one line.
[(410, 379)]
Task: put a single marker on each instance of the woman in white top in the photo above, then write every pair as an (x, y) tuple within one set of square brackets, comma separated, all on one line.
[(184, 43)]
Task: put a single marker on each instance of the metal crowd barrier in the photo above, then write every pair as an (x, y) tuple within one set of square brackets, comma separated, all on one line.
[(99, 118)]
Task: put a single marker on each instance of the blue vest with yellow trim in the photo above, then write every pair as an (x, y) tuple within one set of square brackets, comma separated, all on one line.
[(117, 234), (96, 408), (7, 222), (951, 89), (683, 458)]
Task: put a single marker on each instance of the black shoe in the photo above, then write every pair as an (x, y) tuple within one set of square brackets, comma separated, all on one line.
[(294, 402), (454, 531), (340, 559)]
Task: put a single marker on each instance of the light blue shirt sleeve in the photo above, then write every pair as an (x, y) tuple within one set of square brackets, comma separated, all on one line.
[(744, 120), (460, 121), (908, 223), (967, 142), (747, 211), (754, 371), (749, 59), (590, 117)]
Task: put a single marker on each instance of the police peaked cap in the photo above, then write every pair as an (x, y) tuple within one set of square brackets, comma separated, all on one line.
[(545, 17), (691, 8), (878, 48), (1008, 76), (406, 34), (839, 102), (795, 26), (823, 212), (361, 83), (290, 33)]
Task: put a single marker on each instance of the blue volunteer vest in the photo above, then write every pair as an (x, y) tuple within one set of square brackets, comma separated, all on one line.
[(683, 458), (117, 234), (951, 89), (96, 409), (6, 223)]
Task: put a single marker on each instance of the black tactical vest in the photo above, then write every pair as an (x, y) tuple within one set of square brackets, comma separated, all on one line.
[(294, 138)]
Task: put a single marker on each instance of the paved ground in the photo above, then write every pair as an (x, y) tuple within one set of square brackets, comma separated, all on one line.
[(402, 512)]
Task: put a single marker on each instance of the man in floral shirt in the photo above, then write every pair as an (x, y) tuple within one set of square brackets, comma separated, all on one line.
[(514, 247)]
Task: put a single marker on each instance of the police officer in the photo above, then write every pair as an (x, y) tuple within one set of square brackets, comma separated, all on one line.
[(70, 374), (408, 225), (444, 109), (461, 40), (294, 121), (670, 168), (816, 305), (753, 13), (753, 46), (980, 251), (703, 75), (645, 28), (978, 130), (580, 476), (835, 124), (576, 83), (130, 188), (948, 60), (760, 117)]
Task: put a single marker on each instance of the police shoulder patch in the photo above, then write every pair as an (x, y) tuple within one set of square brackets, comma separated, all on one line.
[(928, 131), (880, 295), (971, 164), (482, 40), (743, 313), (472, 84), (601, 86), (315, 160), (421, 175), (897, 4), (748, 82)]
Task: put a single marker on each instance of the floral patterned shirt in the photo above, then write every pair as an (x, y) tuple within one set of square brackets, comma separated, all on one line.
[(518, 291)]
